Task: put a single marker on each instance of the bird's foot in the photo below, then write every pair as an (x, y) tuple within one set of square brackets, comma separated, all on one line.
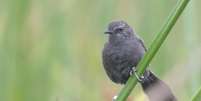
[(139, 78)]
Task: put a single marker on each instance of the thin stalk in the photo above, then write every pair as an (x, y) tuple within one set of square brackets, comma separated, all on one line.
[(155, 45), (197, 95)]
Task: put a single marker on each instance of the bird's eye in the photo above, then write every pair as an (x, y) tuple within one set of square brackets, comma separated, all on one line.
[(119, 30)]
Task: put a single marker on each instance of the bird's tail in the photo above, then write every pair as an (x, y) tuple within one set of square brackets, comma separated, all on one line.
[(156, 89)]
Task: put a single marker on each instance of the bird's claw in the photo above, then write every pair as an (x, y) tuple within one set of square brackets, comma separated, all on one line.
[(134, 71)]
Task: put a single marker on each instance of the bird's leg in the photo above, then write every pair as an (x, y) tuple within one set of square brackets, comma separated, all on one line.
[(134, 71)]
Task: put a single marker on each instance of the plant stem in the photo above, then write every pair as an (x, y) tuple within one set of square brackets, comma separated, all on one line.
[(155, 45), (197, 95)]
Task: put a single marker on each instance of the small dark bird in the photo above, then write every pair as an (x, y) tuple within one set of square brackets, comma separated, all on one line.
[(120, 56)]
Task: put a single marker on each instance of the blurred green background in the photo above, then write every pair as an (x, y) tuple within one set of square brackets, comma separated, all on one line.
[(50, 50)]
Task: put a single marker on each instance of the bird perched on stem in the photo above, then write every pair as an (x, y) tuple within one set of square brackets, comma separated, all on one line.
[(120, 56)]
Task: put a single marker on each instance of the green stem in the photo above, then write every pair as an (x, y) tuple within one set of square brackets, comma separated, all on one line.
[(155, 45), (197, 95)]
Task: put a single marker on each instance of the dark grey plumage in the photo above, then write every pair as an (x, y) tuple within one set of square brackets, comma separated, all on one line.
[(122, 52)]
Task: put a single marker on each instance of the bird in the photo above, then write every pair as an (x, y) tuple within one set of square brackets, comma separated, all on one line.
[(121, 55)]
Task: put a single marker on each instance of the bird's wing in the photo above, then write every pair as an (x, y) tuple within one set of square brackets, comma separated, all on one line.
[(142, 43)]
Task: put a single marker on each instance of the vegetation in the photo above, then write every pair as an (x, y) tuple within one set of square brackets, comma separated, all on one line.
[(50, 50)]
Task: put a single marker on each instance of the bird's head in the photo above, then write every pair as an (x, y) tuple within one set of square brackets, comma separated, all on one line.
[(119, 31)]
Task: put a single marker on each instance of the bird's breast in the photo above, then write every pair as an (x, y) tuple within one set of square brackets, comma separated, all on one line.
[(129, 53)]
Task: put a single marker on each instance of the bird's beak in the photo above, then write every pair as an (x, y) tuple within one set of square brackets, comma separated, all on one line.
[(108, 32)]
